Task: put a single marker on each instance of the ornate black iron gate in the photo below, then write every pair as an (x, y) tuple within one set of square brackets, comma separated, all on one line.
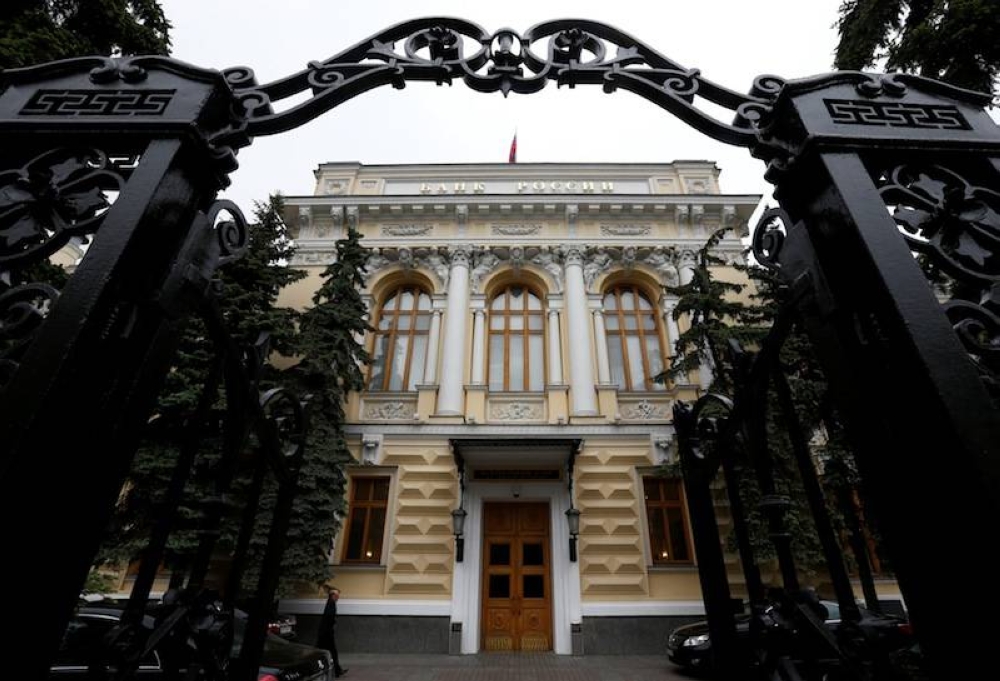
[(916, 381)]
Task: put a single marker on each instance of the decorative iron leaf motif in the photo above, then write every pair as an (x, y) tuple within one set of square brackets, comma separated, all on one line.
[(22, 310), (56, 196), (957, 225), (940, 214)]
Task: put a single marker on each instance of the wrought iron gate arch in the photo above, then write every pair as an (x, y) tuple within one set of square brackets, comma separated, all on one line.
[(867, 168)]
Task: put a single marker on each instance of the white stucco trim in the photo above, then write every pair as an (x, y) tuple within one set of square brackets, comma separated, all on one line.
[(367, 606)]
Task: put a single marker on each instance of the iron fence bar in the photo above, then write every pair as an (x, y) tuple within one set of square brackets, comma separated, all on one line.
[(153, 553), (752, 374), (832, 552), (741, 528), (699, 468)]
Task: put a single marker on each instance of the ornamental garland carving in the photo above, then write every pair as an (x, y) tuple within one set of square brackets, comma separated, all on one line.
[(626, 230), (390, 411), (515, 411), (515, 230), (406, 230), (644, 411)]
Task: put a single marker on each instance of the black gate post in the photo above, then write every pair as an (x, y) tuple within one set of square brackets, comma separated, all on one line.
[(869, 170), (72, 410)]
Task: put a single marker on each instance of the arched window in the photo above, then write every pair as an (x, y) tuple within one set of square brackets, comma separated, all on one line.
[(401, 340), (633, 332), (517, 340)]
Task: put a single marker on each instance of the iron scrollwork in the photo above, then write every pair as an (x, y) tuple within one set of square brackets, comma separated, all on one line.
[(769, 236), (441, 50)]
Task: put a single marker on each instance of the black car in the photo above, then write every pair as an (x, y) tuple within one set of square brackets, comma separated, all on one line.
[(689, 646), (281, 660)]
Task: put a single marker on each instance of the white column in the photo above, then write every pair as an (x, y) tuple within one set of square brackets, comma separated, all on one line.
[(601, 343), (433, 351), (580, 330), (673, 331), (555, 349), (450, 392), (478, 346)]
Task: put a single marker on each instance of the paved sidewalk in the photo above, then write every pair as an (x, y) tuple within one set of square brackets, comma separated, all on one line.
[(509, 667)]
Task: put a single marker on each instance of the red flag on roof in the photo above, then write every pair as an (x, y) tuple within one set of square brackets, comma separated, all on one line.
[(512, 157)]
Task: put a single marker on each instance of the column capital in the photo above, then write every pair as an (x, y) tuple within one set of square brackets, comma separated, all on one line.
[(460, 255), (573, 254)]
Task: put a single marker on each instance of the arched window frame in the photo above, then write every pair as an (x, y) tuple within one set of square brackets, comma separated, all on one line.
[(533, 332), (400, 329), (622, 324)]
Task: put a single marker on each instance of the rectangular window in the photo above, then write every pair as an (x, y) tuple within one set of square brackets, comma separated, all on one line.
[(365, 525), (666, 514)]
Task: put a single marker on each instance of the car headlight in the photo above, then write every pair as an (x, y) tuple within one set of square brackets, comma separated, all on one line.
[(699, 640)]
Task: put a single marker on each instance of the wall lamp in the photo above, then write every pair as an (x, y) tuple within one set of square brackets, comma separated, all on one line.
[(573, 513), (458, 528), (458, 515), (573, 520)]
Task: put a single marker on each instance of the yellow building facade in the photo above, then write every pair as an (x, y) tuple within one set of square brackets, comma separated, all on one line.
[(520, 315)]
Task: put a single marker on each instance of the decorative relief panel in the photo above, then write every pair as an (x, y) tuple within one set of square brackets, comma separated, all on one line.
[(626, 230), (312, 258), (515, 229), (643, 409), (516, 409), (390, 409), (407, 230)]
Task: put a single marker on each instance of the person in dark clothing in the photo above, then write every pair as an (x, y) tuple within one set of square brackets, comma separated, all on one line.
[(327, 636)]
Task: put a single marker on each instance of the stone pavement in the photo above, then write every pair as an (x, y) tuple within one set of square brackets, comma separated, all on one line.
[(509, 667)]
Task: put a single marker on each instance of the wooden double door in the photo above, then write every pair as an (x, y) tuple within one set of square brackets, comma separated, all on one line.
[(517, 586)]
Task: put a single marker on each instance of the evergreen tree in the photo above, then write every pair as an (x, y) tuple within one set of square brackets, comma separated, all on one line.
[(330, 367), (37, 31), (957, 41), (712, 307)]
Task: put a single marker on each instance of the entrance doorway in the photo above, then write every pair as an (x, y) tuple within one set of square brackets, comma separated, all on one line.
[(517, 591)]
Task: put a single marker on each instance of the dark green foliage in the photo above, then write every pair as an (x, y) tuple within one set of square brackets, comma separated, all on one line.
[(37, 31), (957, 41), (330, 367), (713, 310)]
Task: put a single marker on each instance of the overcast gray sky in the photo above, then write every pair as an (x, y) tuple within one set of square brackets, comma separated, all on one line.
[(731, 41)]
